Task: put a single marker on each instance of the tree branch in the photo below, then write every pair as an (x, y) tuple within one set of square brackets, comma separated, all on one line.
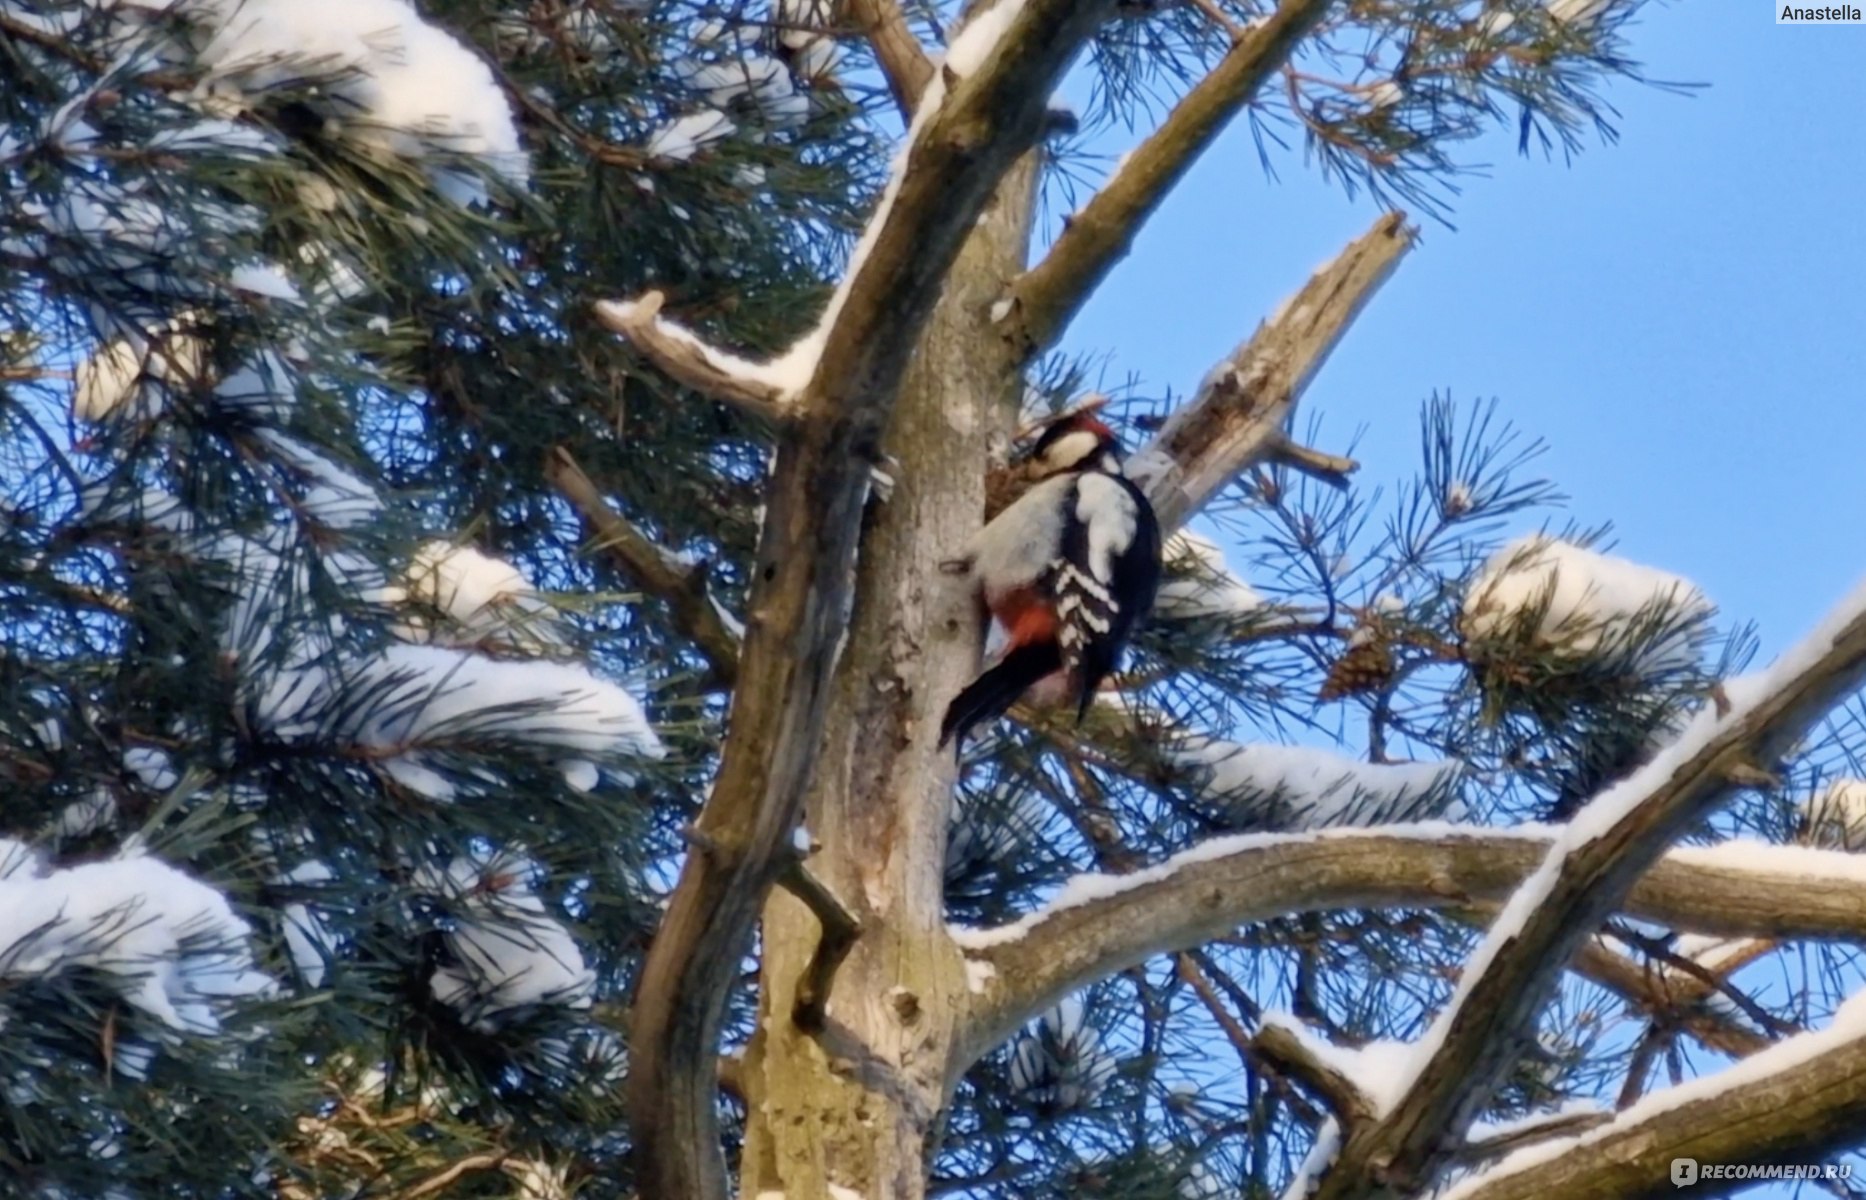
[(1592, 866), (1331, 469), (1794, 1102), (683, 357), (1205, 893), (904, 62), (1238, 415), (681, 586), (840, 929), (1045, 298), (1283, 1048), (976, 118)]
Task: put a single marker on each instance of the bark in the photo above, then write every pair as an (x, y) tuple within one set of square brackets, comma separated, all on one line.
[(1057, 950), (1480, 1037), (797, 614), (1793, 1106), (857, 1104)]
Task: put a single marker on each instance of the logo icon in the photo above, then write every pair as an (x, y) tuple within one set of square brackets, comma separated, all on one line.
[(1684, 1172)]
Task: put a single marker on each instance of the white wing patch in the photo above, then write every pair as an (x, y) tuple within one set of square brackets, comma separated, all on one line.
[(1108, 512)]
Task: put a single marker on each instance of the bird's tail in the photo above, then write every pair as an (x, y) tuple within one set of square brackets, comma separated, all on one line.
[(993, 692)]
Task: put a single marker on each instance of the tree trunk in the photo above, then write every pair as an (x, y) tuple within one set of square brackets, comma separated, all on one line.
[(857, 1104)]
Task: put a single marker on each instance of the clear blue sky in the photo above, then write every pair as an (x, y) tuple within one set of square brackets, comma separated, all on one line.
[(1681, 315)]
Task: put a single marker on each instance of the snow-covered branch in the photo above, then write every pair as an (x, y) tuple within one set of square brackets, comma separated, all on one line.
[(1794, 1102), (681, 586), (1592, 866), (1100, 924), (755, 388), (1045, 298), (1237, 417)]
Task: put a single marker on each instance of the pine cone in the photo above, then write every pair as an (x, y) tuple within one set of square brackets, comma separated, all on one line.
[(1366, 667)]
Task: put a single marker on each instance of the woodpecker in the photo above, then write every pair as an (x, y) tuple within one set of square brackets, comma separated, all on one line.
[(1068, 570)]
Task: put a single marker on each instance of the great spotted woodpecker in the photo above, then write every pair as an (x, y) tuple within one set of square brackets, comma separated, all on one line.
[(1068, 570)]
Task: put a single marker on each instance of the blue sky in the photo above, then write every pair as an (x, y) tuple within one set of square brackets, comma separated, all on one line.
[(1680, 314)]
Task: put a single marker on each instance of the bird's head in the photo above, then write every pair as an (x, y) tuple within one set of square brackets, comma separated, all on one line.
[(1079, 441)]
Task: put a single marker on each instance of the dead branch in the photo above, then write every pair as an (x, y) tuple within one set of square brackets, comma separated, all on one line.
[(1045, 298), (689, 361), (681, 586), (1237, 417), (1331, 469)]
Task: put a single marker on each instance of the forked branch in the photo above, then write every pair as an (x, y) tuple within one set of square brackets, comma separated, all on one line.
[(1213, 888), (1594, 864)]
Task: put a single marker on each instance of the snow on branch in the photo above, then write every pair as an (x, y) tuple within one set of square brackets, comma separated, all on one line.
[(170, 943), (763, 390), (1101, 924), (507, 951), (1796, 1101), (1592, 865), (1045, 298), (1237, 417), (1570, 602), (1275, 787), (385, 78)]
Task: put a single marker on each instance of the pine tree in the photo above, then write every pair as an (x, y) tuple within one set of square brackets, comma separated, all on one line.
[(452, 749)]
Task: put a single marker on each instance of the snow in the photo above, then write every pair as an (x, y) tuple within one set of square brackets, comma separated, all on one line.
[(173, 944), (1616, 803), (1060, 1059), (581, 775), (1837, 816), (1591, 604), (152, 767), (1093, 887), (1386, 94), (1199, 583), (1574, 12), (384, 77), (308, 937), (1839, 1038), (979, 40), (970, 50), (333, 494), (117, 375), (511, 953), (484, 596), (1381, 1069), (80, 818), (978, 976), (1320, 1157), (681, 138), (267, 280), (1302, 787), (779, 373), (1000, 309), (437, 694), (763, 80)]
